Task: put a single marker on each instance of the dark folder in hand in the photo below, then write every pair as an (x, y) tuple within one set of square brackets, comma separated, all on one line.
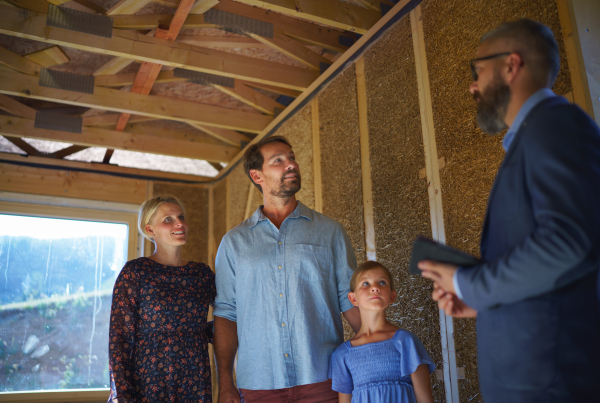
[(425, 248)]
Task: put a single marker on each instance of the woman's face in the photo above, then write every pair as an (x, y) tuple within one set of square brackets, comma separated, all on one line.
[(168, 225)]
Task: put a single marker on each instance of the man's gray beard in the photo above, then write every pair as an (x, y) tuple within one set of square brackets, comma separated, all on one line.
[(286, 191), (493, 105)]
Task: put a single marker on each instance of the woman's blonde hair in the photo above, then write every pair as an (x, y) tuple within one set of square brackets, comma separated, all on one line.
[(149, 207)]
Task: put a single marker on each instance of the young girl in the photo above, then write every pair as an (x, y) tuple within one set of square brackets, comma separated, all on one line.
[(382, 363)]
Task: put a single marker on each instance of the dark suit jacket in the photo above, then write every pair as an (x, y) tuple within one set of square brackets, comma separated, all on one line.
[(538, 326)]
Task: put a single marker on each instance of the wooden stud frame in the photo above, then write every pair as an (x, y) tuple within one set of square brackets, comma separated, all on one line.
[(435, 193), (365, 160), (317, 180)]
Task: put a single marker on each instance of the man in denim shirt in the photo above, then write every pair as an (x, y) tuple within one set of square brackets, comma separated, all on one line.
[(283, 277)]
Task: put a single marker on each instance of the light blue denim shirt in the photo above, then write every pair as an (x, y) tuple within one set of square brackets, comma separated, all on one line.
[(285, 289), (531, 103)]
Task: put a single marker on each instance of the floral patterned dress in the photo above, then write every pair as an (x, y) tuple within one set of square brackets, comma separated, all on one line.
[(158, 340)]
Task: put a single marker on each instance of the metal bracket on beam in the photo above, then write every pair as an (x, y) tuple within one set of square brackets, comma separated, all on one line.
[(67, 81), (238, 23), (75, 20), (53, 121)]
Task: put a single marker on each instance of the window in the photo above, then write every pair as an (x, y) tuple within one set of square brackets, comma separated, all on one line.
[(57, 269)]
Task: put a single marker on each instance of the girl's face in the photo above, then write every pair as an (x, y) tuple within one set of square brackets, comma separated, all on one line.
[(372, 291), (168, 225)]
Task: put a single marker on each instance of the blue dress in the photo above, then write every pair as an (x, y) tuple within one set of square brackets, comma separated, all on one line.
[(379, 372)]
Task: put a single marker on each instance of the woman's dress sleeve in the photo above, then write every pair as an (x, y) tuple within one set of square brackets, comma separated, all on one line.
[(123, 319)]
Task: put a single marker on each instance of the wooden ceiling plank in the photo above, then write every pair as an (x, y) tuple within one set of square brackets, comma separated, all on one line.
[(16, 108), (95, 137), (127, 7), (252, 97), (333, 13), (48, 57), (22, 144), (124, 102), (300, 29), (101, 168), (228, 136), (156, 50), (292, 48), (18, 62)]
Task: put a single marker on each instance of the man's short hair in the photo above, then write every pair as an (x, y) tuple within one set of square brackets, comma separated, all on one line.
[(253, 158), (535, 43)]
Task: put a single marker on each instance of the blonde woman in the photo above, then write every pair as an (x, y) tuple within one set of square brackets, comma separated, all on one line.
[(158, 342)]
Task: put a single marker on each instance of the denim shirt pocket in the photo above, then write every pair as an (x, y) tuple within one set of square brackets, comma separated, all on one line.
[(311, 261)]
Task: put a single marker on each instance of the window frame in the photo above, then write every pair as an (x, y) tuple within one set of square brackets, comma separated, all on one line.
[(63, 208)]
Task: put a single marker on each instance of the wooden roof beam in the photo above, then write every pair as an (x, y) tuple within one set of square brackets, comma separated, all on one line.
[(32, 25), (139, 22), (252, 97), (16, 108), (48, 57), (127, 7), (94, 137), (101, 168), (18, 62), (110, 119), (333, 13), (293, 49), (22, 144), (227, 136), (146, 105)]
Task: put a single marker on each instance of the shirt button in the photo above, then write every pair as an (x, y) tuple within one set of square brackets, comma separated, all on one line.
[(286, 354), (283, 324), (279, 267), (281, 295), (279, 242)]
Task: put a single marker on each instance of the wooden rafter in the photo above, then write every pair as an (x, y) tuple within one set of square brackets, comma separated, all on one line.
[(16, 108), (158, 107), (120, 80), (293, 49), (22, 144), (222, 41), (110, 119), (156, 50), (333, 13), (127, 6), (18, 62), (94, 137), (48, 57), (276, 90), (154, 21), (60, 154), (113, 66), (101, 168), (227, 136), (252, 97)]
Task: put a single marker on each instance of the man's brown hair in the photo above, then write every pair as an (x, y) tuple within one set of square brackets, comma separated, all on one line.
[(253, 158), (367, 266)]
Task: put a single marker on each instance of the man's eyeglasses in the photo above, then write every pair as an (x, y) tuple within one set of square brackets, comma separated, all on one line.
[(474, 71)]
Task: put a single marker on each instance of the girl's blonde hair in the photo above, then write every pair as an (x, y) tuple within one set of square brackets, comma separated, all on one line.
[(367, 266), (149, 207)]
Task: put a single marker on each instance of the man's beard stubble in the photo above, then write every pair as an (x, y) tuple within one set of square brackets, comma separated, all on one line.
[(286, 190), (492, 106)]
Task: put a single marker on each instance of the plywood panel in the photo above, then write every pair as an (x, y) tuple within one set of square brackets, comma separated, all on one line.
[(195, 201), (472, 157), (400, 199)]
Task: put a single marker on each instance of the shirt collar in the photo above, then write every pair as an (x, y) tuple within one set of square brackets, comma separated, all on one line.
[(531, 103), (300, 211)]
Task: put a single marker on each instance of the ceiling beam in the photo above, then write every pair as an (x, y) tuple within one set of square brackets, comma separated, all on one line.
[(18, 62), (101, 168), (332, 13), (146, 105), (94, 137), (123, 79), (275, 90), (48, 57), (22, 144), (16, 108), (127, 7), (110, 119), (149, 21), (252, 97), (227, 136), (293, 49), (32, 25), (65, 152), (222, 41), (113, 66)]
